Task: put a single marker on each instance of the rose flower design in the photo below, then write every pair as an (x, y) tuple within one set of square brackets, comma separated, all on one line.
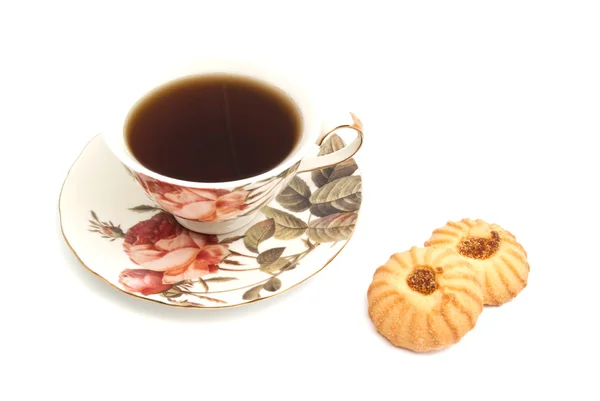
[(196, 204), (146, 282), (168, 253)]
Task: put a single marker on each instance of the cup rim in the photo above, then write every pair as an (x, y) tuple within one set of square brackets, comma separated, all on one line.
[(114, 133)]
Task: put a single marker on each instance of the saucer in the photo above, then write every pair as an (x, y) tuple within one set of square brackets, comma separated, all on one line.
[(122, 237)]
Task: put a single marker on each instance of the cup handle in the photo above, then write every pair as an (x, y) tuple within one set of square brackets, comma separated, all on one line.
[(319, 162)]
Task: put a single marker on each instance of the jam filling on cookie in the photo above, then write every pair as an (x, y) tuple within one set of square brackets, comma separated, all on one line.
[(479, 247), (422, 279)]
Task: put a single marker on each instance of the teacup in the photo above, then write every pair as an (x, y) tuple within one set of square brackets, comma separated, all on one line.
[(219, 208)]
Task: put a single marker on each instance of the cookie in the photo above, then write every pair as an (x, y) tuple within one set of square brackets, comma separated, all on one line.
[(425, 298), (490, 249)]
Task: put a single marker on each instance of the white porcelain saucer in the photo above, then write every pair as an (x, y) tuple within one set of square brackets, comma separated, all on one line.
[(122, 237)]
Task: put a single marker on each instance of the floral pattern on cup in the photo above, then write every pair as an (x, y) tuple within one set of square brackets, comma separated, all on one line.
[(206, 205)]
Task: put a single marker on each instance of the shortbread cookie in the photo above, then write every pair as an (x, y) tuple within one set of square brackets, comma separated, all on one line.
[(425, 298), (491, 249)]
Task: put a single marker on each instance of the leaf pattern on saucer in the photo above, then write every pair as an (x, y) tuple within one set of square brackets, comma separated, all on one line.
[(332, 228), (258, 233), (296, 196), (341, 195), (287, 226)]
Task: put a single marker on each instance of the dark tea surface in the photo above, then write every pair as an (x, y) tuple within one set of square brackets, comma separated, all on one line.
[(212, 128)]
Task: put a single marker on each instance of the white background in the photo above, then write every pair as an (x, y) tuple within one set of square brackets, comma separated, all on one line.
[(471, 109)]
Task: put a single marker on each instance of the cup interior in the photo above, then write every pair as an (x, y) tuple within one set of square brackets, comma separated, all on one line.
[(142, 86)]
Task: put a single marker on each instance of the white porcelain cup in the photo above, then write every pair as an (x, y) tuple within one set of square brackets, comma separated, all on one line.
[(218, 208)]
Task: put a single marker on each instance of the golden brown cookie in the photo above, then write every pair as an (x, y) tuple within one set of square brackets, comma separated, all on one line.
[(490, 249), (425, 298)]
